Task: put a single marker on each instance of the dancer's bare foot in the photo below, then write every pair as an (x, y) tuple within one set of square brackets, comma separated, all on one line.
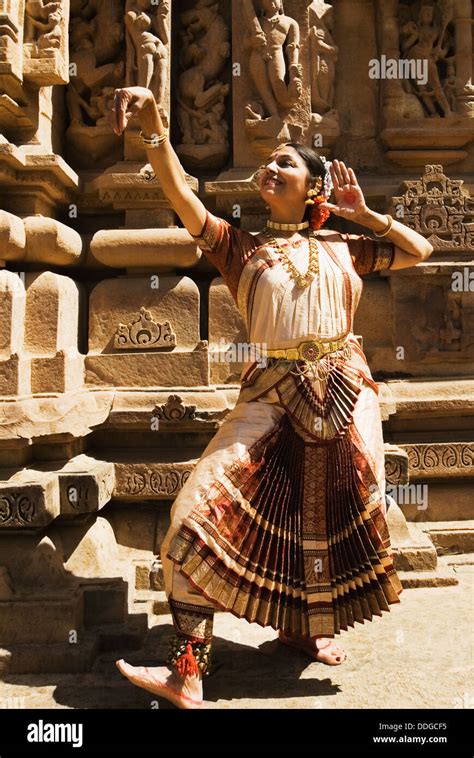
[(166, 682), (322, 649)]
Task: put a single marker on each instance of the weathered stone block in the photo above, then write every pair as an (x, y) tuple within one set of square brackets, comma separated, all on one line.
[(29, 500)]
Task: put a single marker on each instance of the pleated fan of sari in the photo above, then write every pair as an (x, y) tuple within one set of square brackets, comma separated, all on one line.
[(252, 543), (322, 408)]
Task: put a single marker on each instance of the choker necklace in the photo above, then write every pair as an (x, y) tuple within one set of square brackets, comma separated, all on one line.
[(287, 227)]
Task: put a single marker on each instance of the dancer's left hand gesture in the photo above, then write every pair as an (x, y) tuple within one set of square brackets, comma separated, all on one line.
[(349, 197)]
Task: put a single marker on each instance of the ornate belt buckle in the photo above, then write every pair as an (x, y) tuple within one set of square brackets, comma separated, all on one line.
[(310, 351)]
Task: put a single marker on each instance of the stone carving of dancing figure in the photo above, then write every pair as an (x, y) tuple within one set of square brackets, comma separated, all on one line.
[(272, 35), (323, 57), (147, 53), (42, 26), (429, 40)]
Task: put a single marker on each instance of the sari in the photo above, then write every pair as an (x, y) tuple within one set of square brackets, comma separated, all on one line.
[(283, 519)]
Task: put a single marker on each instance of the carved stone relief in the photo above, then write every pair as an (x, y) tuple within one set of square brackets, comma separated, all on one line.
[(200, 99), (429, 46), (272, 45), (441, 459), (427, 34), (323, 59), (148, 40), (46, 41), (143, 332), (440, 207), (98, 67), (175, 410)]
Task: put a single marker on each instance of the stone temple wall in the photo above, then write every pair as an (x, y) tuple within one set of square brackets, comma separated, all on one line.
[(114, 329)]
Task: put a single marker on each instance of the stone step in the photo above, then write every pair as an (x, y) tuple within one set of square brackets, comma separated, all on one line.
[(442, 576), (129, 636), (59, 657), (50, 619), (450, 537), (462, 559)]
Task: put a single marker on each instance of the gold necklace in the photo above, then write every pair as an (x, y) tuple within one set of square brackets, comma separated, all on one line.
[(301, 280)]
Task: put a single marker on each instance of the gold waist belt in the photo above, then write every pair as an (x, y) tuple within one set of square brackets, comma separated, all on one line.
[(310, 351)]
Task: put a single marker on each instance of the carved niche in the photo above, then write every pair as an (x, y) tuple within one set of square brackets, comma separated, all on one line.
[(271, 46), (96, 37), (427, 90), (201, 91)]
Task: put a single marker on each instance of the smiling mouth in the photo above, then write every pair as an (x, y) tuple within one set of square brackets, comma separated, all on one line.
[(273, 182)]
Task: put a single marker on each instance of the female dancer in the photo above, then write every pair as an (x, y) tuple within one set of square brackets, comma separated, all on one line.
[(282, 520)]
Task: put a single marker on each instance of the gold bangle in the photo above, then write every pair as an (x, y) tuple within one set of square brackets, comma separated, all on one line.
[(154, 141), (389, 226)]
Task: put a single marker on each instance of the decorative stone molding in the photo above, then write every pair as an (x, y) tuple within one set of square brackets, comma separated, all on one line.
[(29, 500), (34, 496), (440, 459), (37, 184), (140, 481), (142, 332), (440, 207), (11, 46), (396, 464), (174, 410)]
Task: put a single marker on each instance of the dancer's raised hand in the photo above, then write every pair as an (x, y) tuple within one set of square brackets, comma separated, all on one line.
[(349, 196), (128, 101)]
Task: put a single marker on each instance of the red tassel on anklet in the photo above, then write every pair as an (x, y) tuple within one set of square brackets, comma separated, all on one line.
[(187, 664)]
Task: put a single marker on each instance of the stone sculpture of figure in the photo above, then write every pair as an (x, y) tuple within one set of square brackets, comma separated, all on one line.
[(450, 335), (42, 26), (147, 52), (425, 40), (450, 84), (204, 50), (213, 126), (97, 64), (323, 57), (272, 36)]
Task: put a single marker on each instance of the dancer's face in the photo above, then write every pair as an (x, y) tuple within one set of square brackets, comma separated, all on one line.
[(291, 174)]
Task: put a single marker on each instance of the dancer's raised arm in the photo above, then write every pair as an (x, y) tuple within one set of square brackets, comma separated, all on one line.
[(129, 101)]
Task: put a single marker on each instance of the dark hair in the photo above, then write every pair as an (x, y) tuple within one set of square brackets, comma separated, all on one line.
[(314, 164)]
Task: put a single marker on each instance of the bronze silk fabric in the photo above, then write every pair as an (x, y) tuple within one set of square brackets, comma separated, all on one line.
[(282, 520)]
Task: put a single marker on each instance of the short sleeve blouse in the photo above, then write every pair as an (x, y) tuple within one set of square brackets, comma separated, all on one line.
[(369, 255)]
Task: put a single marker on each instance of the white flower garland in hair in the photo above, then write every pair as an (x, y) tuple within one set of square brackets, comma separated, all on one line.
[(327, 184)]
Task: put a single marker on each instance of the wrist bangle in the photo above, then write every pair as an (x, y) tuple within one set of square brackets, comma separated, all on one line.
[(388, 227), (154, 141)]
